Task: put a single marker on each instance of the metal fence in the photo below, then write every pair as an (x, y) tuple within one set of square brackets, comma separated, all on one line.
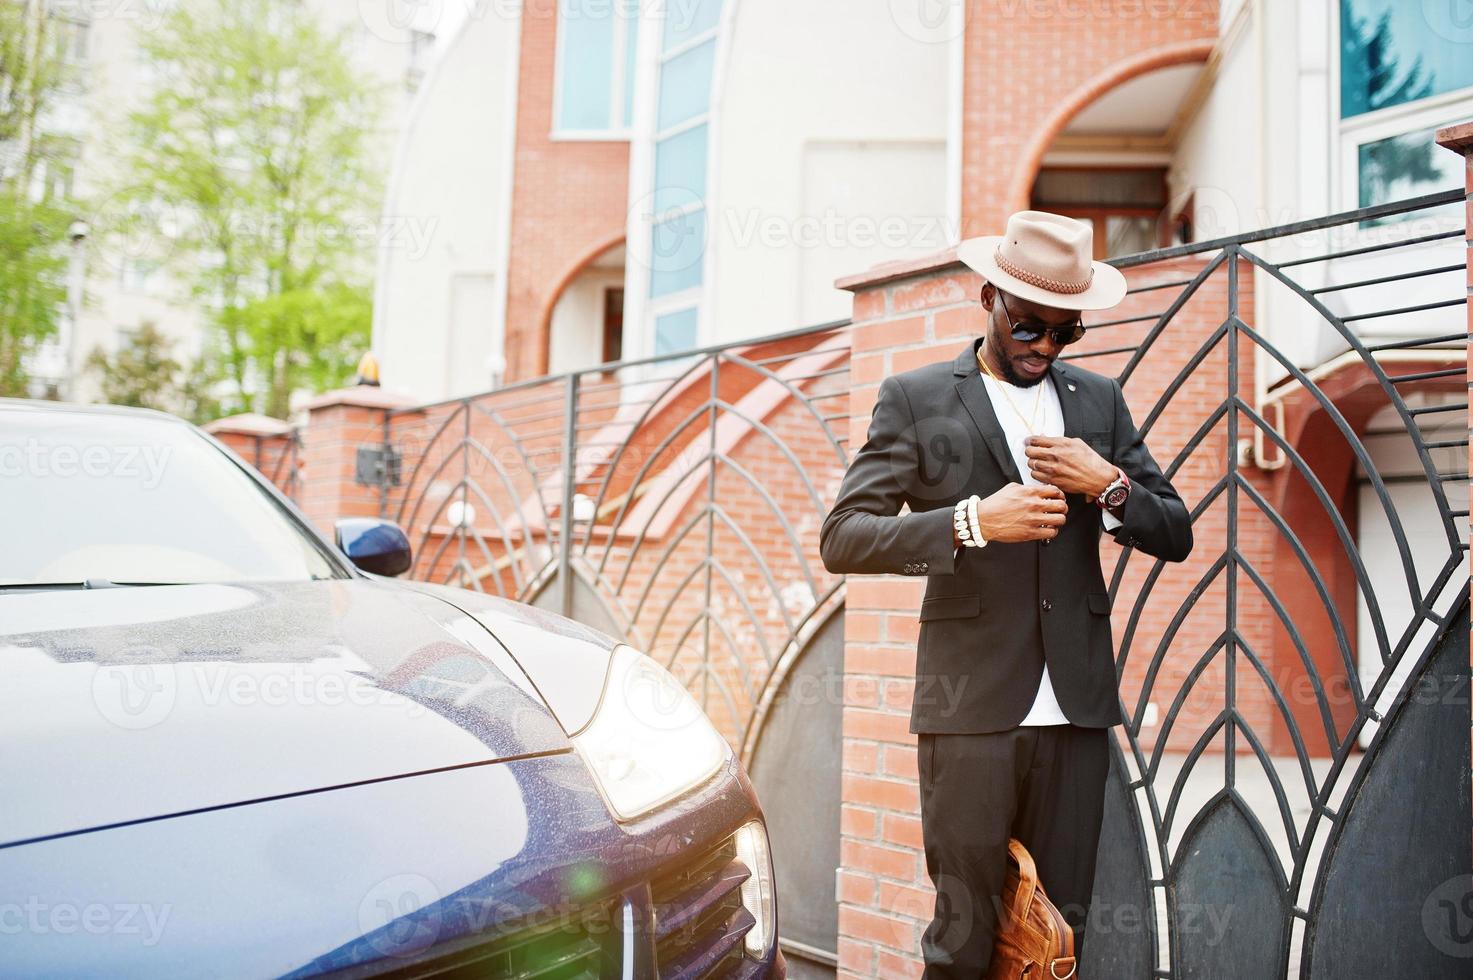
[(1272, 684), (673, 501), (1294, 686)]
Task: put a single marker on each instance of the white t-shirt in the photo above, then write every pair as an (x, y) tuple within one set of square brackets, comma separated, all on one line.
[(1045, 710)]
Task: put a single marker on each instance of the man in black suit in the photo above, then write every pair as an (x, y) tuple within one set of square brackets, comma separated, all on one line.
[(1011, 465)]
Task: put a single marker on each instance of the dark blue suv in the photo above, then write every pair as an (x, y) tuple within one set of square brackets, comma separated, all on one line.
[(227, 750)]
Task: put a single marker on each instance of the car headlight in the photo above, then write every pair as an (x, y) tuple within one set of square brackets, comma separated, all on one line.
[(757, 891), (649, 741)]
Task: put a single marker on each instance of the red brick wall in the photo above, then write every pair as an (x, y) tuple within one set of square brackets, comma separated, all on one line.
[(568, 203), (909, 316), (1032, 64)]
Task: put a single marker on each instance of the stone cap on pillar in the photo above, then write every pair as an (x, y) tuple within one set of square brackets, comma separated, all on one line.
[(900, 269), (1458, 138), (360, 396), (248, 424)]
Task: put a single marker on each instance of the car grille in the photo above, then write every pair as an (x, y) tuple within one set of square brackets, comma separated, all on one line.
[(577, 948), (699, 918)]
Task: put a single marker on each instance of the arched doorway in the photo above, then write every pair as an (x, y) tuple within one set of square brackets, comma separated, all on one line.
[(585, 325), (1109, 156)]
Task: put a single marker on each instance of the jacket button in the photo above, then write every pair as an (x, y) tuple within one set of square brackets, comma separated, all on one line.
[(1047, 605), (1046, 541), (924, 566)]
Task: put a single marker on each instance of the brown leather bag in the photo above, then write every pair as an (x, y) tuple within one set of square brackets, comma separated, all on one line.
[(1033, 940)]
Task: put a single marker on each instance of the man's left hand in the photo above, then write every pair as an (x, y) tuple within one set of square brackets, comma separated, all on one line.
[(1070, 464)]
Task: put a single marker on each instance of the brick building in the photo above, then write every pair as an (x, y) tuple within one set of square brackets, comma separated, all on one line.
[(703, 173)]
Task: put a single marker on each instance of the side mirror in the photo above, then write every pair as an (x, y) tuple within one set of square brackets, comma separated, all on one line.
[(375, 546)]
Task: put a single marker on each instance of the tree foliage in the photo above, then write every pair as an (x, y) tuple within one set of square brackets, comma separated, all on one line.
[(33, 226), (143, 373), (247, 169)]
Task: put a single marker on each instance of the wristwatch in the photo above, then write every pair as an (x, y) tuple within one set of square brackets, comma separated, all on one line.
[(1116, 493)]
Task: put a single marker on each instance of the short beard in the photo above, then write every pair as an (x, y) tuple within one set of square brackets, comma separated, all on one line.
[(1008, 374)]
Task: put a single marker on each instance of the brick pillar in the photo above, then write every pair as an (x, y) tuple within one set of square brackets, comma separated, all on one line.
[(905, 315), (1459, 139), (914, 313), (338, 424)]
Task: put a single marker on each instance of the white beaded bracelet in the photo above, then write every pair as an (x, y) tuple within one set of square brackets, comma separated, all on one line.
[(976, 526), (960, 522), (964, 519)]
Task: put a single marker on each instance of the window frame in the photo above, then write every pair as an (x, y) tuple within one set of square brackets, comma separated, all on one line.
[(621, 129), (1348, 135)]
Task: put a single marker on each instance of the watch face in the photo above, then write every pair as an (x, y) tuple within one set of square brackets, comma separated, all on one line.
[(1116, 496)]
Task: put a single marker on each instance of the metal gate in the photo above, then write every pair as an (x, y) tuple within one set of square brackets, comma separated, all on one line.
[(674, 502), (1289, 794)]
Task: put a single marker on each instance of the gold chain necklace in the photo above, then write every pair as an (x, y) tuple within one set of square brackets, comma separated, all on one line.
[(1032, 427)]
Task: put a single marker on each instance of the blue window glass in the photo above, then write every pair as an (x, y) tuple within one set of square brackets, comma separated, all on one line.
[(685, 85), (631, 55), (586, 65), (1397, 51), (689, 19), (1404, 166), (675, 332), (680, 169), (678, 246)]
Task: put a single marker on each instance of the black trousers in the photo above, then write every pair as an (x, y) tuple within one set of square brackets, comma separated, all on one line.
[(1044, 785)]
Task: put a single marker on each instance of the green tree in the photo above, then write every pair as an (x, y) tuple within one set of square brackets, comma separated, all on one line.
[(144, 373), (247, 169), (33, 226)]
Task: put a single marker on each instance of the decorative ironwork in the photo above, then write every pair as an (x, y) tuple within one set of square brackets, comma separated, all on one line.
[(1231, 873), (674, 501)]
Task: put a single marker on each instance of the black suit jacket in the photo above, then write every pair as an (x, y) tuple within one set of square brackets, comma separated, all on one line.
[(992, 616)]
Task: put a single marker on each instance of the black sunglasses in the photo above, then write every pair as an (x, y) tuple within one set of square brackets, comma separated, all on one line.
[(1027, 331)]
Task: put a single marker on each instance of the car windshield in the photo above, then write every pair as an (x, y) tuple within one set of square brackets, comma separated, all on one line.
[(92, 497)]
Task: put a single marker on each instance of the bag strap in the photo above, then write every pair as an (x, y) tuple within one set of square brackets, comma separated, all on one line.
[(1027, 878)]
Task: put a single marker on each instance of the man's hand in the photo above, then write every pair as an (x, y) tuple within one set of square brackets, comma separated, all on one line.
[(1070, 464), (1019, 513)]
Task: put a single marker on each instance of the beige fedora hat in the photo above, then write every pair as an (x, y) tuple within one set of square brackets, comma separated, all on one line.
[(1048, 259)]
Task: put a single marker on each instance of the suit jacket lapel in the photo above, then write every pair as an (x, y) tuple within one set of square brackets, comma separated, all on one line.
[(973, 392), (1067, 388)]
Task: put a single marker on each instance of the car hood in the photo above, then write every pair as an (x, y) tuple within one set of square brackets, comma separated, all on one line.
[(131, 704)]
